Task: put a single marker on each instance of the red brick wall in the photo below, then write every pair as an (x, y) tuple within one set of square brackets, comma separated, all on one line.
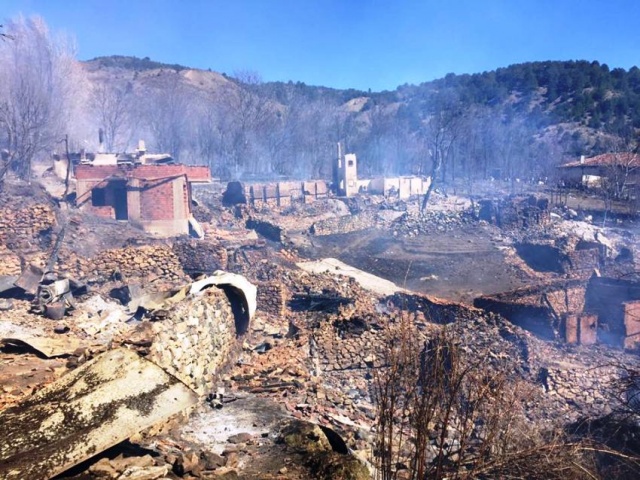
[(156, 200), (99, 172), (84, 199), (156, 184), (198, 174), (148, 172)]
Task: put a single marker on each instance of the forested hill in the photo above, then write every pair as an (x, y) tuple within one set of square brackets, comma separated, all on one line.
[(576, 91), (582, 92), (520, 120), (516, 122)]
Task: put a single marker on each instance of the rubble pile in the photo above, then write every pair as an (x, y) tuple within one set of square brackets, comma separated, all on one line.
[(582, 263), (516, 211), (414, 223), (317, 340), (69, 263), (275, 367), (575, 381), (432, 309), (267, 229), (344, 224)]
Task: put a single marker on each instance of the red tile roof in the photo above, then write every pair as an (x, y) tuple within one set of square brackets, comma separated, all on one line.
[(626, 159)]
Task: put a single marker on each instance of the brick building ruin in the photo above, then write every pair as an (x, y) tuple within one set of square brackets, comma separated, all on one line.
[(150, 191), (598, 310), (274, 194), (347, 184)]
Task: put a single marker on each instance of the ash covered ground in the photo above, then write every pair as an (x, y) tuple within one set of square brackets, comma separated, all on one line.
[(303, 369)]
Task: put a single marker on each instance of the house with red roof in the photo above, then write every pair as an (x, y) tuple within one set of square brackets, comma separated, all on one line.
[(621, 170)]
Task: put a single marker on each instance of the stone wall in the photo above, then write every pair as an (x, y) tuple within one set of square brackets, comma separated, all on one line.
[(341, 349), (345, 224), (23, 228), (268, 230), (431, 309), (138, 262), (581, 263), (515, 212), (200, 256), (9, 262), (539, 309), (565, 299), (196, 340), (272, 298), (587, 388)]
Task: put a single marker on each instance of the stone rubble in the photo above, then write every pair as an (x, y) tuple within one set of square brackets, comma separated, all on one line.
[(315, 340)]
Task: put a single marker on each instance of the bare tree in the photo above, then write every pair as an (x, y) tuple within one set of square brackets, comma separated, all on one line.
[(4, 36), (440, 132), (168, 110), (36, 80), (618, 173), (314, 138), (248, 114), (112, 106), (209, 133)]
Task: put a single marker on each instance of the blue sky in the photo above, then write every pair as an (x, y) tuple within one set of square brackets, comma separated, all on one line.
[(350, 43)]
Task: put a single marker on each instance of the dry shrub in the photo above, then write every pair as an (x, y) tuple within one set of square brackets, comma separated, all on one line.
[(617, 435), (443, 412)]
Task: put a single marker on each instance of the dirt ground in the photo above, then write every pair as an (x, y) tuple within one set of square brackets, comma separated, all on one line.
[(458, 265)]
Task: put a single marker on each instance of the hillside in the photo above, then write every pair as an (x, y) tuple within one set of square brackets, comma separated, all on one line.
[(516, 121)]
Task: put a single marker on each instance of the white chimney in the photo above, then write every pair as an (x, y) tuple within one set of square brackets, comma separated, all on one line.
[(581, 159)]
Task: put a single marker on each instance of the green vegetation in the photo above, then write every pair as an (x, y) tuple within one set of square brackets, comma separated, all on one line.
[(134, 63)]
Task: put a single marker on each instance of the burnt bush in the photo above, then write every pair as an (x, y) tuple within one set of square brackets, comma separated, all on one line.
[(443, 413)]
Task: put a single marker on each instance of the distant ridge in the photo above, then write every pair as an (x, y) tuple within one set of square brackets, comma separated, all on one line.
[(133, 63)]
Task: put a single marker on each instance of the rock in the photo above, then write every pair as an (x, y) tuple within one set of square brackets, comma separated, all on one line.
[(226, 473), (61, 328), (145, 473), (187, 463), (103, 469), (6, 304), (211, 460), (232, 458), (240, 438), (305, 437), (335, 466), (122, 463)]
